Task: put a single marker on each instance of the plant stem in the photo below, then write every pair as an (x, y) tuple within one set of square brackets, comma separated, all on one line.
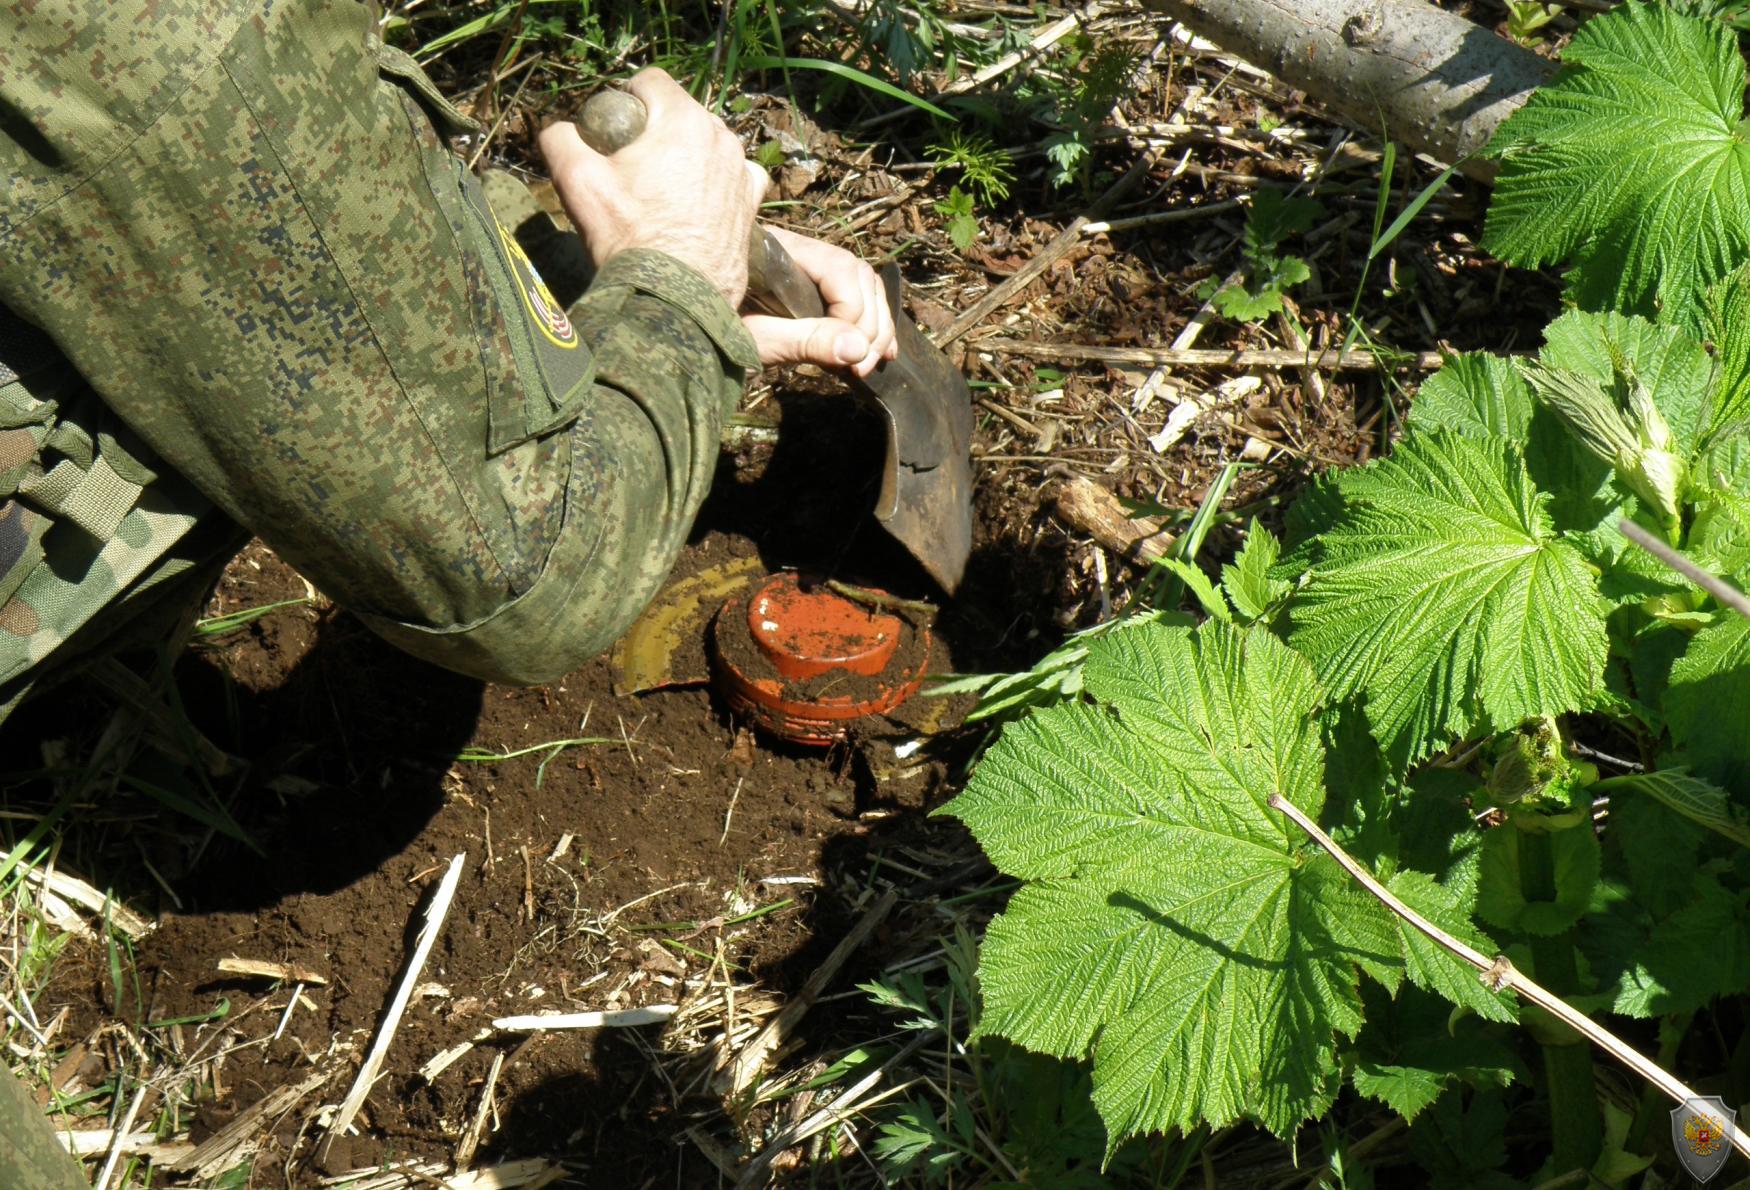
[(1501, 973), (1576, 1128)]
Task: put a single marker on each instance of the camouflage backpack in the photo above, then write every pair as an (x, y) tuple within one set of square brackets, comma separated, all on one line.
[(87, 520)]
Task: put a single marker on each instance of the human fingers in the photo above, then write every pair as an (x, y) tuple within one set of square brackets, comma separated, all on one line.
[(825, 342), (850, 290), (581, 176), (659, 93)]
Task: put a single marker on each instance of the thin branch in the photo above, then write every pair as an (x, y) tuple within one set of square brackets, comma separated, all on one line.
[(1718, 587), (1215, 357), (1499, 972)]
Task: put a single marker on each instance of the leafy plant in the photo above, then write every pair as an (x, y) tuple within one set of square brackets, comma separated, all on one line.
[(1632, 164), (986, 168), (1270, 272), (1078, 98), (1424, 664), (962, 221), (1526, 19)]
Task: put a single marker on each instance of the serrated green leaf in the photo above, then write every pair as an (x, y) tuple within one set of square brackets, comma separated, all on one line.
[(1247, 580), (1501, 900), (1404, 1089), (1433, 969), (1201, 588), (1482, 395), (1242, 305), (1170, 927), (1274, 217), (1726, 324), (1719, 532), (1415, 1046), (1461, 1140), (1652, 965), (1630, 163), (1700, 802), (1478, 394), (1442, 599), (1439, 835), (1707, 704), (1659, 849), (1668, 361)]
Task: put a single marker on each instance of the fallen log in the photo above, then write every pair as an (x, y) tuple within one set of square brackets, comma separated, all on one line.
[(1422, 76)]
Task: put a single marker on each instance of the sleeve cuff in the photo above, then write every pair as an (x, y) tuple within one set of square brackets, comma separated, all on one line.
[(662, 276)]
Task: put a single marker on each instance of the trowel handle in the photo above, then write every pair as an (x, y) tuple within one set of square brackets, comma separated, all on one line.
[(611, 120)]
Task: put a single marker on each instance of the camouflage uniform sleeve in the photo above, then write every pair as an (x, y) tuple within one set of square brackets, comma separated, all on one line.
[(669, 356), (243, 225)]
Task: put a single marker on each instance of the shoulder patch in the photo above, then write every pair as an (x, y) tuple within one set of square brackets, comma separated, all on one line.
[(544, 309)]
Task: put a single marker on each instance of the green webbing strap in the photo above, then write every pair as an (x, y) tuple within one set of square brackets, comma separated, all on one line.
[(96, 499)]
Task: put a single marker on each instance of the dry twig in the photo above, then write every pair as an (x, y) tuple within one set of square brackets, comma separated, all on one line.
[(1215, 357), (1499, 972)]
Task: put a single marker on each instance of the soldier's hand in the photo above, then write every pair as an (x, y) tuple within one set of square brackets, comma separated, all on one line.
[(684, 187), (858, 330)]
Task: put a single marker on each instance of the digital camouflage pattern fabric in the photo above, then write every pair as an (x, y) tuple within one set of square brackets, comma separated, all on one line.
[(242, 225), (248, 282)]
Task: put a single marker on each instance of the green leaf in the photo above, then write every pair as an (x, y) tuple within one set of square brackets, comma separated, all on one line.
[(1701, 802), (1660, 850), (1274, 217), (1415, 1046), (1442, 599), (850, 74), (1433, 969), (1500, 899), (1404, 1089), (1171, 926), (1461, 1140), (1485, 396), (1652, 965), (1719, 533), (1707, 704), (1247, 582), (1672, 365), (1726, 324), (1242, 305), (1631, 164), (1202, 589)]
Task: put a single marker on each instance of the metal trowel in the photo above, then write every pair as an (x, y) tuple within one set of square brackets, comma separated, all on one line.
[(926, 486)]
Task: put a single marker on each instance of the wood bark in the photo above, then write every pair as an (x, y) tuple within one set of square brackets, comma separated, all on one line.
[(1404, 68), (1088, 508)]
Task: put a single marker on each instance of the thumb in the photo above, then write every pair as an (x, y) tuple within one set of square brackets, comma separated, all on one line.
[(826, 342)]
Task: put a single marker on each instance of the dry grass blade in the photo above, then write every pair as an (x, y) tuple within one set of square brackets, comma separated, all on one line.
[(471, 1139), (622, 1018), (79, 892), (262, 969), (367, 1076), (747, 1066), (219, 1148)]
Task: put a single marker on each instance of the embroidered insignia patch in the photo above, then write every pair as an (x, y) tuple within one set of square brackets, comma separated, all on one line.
[(543, 307)]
